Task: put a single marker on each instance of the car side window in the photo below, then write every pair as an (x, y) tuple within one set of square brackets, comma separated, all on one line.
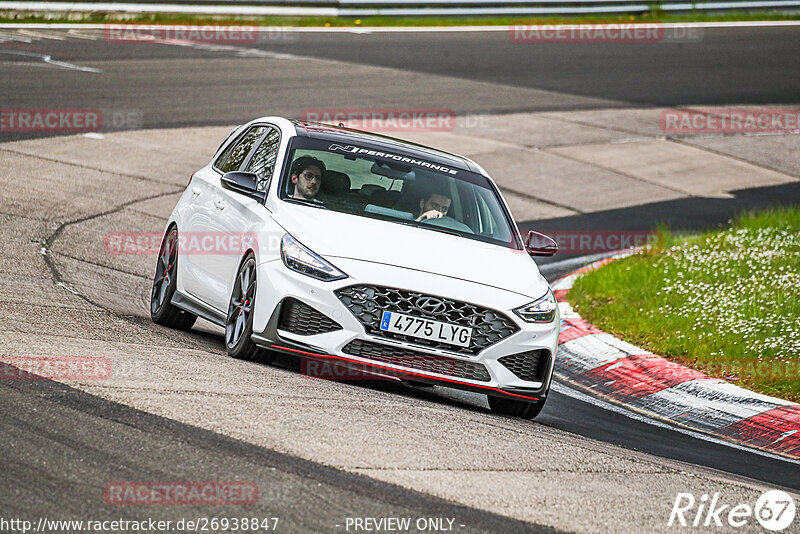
[(263, 161), (234, 155)]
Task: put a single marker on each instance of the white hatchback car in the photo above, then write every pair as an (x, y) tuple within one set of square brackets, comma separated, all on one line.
[(362, 251)]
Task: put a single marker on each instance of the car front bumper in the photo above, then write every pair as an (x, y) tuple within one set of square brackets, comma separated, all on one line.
[(334, 348)]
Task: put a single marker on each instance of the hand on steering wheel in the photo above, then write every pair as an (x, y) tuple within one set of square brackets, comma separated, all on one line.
[(432, 214)]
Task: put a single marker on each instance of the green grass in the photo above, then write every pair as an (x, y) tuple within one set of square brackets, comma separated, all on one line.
[(725, 302), (162, 18)]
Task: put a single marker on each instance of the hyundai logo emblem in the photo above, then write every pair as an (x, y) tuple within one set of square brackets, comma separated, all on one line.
[(430, 305)]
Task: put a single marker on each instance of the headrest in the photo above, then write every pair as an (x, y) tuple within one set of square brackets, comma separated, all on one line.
[(335, 182), (370, 189), (385, 198)]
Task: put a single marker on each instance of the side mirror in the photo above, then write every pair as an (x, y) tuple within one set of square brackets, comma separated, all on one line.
[(537, 244), (243, 182)]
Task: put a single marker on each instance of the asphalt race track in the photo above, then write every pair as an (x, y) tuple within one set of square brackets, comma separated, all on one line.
[(324, 451), (223, 84)]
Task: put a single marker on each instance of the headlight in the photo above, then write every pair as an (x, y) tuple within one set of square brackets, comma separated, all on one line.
[(542, 310), (298, 258)]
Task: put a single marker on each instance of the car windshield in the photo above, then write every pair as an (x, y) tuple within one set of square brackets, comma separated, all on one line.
[(395, 187)]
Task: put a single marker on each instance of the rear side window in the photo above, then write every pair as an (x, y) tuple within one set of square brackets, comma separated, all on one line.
[(233, 156), (263, 161)]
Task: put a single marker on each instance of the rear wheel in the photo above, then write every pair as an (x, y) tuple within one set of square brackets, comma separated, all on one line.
[(162, 311), (239, 322), (516, 408)]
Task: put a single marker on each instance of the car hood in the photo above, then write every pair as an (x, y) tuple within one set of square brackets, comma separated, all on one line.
[(338, 235)]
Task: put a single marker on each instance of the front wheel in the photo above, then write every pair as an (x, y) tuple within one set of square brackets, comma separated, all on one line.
[(162, 311), (239, 322), (516, 408)]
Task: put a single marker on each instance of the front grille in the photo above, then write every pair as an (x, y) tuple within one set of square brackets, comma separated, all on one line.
[(368, 303), (300, 318), (417, 360), (529, 365)]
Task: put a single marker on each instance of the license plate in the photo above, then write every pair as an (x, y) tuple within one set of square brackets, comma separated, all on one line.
[(426, 329)]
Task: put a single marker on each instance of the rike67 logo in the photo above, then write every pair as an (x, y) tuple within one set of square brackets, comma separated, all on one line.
[(774, 510)]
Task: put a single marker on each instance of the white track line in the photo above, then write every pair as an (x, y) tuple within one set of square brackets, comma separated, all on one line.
[(388, 29), (46, 59)]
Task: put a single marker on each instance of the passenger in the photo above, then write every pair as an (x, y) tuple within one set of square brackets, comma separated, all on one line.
[(433, 205), (307, 177)]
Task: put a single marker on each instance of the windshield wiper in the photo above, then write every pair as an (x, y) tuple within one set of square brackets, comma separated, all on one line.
[(307, 202), (419, 224), (440, 229)]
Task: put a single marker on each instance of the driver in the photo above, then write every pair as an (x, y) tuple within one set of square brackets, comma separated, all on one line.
[(307, 177), (433, 205)]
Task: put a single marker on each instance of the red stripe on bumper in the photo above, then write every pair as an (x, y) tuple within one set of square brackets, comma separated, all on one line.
[(377, 366), (638, 376), (776, 430)]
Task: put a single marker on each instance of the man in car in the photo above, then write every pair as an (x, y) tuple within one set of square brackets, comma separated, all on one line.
[(307, 177), (433, 205)]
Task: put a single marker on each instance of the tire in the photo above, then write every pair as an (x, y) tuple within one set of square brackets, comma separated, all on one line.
[(239, 321), (162, 311), (515, 408)]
